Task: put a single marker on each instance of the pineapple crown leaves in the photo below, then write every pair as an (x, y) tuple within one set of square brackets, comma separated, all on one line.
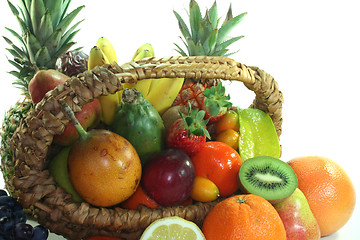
[(45, 35), (195, 122), (215, 99), (205, 36)]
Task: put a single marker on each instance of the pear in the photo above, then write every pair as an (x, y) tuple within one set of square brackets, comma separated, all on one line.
[(44, 81), (296, 215), (89, 117)]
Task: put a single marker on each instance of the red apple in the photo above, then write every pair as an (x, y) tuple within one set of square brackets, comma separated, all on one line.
[(89, 117), (44, 81)]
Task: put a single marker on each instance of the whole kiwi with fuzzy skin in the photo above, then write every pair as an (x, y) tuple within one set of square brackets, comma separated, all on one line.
[(267, 177), (172, 114)]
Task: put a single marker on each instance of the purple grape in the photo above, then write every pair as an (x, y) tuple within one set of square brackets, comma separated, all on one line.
[(23, 231), (6, 224), (19, 216), (10, 202), (5, 211), (3, 193), (40, 233), (168, 177)]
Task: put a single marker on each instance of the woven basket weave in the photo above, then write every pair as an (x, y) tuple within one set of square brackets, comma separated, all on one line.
[(32, 143)]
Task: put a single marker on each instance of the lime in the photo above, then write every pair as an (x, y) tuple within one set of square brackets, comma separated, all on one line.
[(172, 228)]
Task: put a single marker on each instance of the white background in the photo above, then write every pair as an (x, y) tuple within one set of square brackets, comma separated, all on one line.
[(312, 49)]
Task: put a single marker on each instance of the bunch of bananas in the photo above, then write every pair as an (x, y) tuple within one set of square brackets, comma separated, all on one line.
[(161, 93), (104, 53)]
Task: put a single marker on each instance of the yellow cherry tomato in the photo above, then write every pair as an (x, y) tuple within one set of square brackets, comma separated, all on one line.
[(229, 137), (229, 121), (204, 190)]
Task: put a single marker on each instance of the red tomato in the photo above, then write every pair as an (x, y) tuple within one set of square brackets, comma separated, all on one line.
[(220, 163)]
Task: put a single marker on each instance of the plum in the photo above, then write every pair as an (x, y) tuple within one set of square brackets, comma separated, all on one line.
[(168, 177)]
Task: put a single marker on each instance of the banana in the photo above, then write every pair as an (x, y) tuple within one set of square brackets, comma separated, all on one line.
[(110, 102), (143, 86), (163, 94), (146, 50), (97, 58), (108, 49)]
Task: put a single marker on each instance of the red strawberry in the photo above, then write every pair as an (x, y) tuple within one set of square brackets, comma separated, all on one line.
[(188, 133), (216, 103)]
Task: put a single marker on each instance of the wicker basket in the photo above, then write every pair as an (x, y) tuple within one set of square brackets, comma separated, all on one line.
[(32, 143)]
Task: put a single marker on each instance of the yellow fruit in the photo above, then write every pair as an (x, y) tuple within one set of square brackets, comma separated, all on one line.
[(172, 228), (104, 168), (230, 137), (204, 190)]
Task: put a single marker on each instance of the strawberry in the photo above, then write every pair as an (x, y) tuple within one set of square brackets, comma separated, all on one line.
[(188, 133), (216, 103)]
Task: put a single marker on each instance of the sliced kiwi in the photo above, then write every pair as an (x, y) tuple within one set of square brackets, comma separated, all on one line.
[(268, 177)]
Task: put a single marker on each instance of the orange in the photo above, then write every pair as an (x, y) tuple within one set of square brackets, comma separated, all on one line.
[(328, 189), (220, 163), (243, 217), (139, 197)]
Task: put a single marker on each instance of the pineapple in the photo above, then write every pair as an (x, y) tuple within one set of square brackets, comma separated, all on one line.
[(204, 38), (45, 35)]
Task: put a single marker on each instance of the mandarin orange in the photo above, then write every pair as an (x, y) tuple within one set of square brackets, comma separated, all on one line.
[(243, 217), (328, 189)]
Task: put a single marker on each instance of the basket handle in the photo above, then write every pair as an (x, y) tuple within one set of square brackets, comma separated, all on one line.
[(268, 97)]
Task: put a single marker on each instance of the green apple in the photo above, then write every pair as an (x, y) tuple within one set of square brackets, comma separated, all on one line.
[(59, 170)]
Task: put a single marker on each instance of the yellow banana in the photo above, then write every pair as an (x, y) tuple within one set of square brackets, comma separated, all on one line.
[(108, 49), (142, 86), (110, 102), (163, 94), (97, 58), (146, 50)]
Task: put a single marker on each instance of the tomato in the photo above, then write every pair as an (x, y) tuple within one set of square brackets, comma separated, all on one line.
[(204, 190), (230, 137), (139, 197), (220, 163), (229, 121)]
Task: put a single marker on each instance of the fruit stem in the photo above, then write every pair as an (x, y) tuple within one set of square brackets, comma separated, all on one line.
[(82, 133), (129, 96)]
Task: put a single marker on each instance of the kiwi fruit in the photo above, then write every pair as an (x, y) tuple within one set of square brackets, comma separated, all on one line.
[(268, 177)]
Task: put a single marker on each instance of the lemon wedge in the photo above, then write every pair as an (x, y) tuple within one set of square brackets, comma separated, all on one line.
[(172, 228)]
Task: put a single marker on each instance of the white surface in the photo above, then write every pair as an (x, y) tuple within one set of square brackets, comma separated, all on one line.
[(312, 49)]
